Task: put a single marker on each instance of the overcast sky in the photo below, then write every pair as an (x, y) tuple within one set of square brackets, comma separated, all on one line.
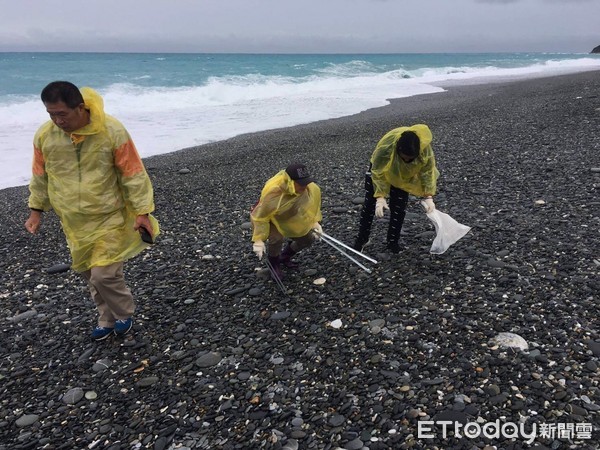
[(300, 26)]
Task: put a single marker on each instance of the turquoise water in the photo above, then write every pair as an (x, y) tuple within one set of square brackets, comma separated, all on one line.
[(173, 101), (28, 73)]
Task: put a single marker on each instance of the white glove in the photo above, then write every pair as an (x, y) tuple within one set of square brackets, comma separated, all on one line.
[(259, 248), (428, 205), (317, 227), (380, 206)]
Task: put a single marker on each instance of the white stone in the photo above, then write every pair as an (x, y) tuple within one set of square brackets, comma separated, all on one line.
[(337, 323), (510, 340)]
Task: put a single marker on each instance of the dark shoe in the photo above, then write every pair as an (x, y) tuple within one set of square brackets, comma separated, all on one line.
[(101, 333), (275, 267), (393, 247), (122, 326), (286, 257), (359, 244)]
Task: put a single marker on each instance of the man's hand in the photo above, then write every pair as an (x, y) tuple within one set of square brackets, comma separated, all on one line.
[(380, 206), (34, 222), (259, 248), (143, 222), (428, 205)]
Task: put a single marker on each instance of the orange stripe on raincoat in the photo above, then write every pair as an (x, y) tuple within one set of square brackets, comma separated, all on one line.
[(128, 160), (38, 162)]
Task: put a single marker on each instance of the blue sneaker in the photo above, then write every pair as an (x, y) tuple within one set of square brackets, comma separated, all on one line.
[(101, 333), (122, 326)]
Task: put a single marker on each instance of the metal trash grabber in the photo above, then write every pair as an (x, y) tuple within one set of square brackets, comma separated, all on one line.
[(340, 243), (340, 246), (275, 277)]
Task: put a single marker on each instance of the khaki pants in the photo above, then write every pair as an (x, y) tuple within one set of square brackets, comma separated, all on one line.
[(112, 297), (276, 241)]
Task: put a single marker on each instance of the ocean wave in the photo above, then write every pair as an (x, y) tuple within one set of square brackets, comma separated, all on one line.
[(201, 109)]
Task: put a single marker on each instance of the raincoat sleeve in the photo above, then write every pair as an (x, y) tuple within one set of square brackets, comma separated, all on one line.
[(263, 212), (380, 163), (429, 174), (133, 178), (38, 186), (317, 195)]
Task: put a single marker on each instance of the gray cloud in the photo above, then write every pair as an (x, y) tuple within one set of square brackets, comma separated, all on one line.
[(351, 26)]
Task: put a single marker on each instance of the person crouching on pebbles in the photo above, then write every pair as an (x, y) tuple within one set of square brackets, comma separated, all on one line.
[(403, 163), (289, 207)]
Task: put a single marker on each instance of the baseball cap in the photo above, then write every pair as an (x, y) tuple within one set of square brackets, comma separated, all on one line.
[(299, 173)]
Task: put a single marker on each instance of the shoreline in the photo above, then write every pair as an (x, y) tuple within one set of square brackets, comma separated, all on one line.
[(474, 88), (219, 359), (445, 84)]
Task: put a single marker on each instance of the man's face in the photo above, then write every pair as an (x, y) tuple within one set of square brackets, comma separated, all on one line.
[(65, 118), (299, 188), (407, 159)]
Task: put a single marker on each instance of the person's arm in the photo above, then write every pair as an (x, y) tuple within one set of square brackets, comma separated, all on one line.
[(380, 161), (38, 192), (315, 193), (429, 174), (134, 182), (262, 213)]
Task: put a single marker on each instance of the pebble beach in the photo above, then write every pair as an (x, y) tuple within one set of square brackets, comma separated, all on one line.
[(220, 358)]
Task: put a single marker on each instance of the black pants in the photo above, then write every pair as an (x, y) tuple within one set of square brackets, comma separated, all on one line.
[(398, 202)]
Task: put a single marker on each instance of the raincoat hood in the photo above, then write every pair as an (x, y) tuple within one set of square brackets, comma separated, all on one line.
[(95, 105)]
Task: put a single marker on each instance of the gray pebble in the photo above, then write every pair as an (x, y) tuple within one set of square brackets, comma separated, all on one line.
[(58, 268), (209, 359), (148, 381), (26, 420), (336, 420), (355, 444), (73, 396)]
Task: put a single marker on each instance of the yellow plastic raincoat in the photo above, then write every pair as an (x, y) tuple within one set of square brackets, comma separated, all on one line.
[(418, 178), (292, 213), (96, 183)]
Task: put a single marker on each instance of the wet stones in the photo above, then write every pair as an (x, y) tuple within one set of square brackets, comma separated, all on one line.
[(220, 358), (72, 396), (208, 360)]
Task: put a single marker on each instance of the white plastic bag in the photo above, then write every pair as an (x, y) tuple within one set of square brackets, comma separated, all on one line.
[(447, 230)]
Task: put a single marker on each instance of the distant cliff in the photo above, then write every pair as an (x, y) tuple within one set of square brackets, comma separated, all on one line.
[(596, 50)]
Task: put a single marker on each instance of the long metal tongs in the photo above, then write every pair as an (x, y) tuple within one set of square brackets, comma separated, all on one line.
[(275, 277), (340, 247)]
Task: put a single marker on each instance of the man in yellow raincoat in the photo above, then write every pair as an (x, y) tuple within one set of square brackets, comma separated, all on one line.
[(86, 168), (403, 163), (289, 207)]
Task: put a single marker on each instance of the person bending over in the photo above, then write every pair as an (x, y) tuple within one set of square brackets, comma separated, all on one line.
[(403, 163), (289, 207)]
